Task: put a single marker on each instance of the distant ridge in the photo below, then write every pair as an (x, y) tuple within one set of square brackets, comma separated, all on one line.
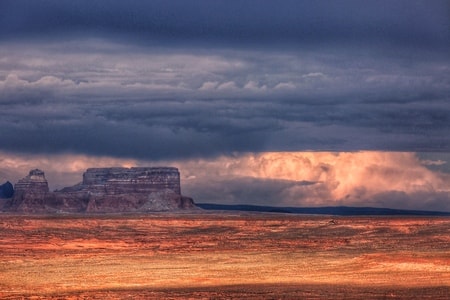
[(327, 210)]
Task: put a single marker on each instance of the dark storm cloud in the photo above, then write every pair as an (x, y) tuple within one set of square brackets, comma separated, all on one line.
[(418, 23), (291, 193), (152, 130), (248, 190), (169, 79), (109, 99)]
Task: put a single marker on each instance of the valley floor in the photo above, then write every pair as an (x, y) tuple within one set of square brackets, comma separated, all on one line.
[(223, 255)]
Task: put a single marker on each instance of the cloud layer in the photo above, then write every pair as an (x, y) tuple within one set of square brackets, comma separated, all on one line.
[(251, 22), (207, 78), (95, 96)]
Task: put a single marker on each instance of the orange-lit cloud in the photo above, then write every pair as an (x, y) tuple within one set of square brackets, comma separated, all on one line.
[(389, 179), (345, 178)]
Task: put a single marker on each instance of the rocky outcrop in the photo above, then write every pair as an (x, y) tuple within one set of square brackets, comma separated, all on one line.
[(31, 193), (104, 190)]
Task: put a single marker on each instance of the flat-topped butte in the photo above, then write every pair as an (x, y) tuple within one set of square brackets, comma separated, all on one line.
[(138, 189)]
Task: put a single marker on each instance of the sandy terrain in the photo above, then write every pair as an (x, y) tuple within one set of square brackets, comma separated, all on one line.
[(233, 256)]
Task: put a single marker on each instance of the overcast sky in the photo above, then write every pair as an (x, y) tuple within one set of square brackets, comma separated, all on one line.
[(184, 81)]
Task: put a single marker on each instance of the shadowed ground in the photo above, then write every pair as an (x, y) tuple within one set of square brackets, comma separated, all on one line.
[(215, 255)]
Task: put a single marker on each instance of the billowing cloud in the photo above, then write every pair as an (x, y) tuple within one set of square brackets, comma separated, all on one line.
[(389, 179), (382, 179)]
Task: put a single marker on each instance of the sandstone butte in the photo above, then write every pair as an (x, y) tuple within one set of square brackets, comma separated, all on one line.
[(103, 190)]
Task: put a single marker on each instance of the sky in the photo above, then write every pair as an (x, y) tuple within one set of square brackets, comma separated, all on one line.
[(297, 103)]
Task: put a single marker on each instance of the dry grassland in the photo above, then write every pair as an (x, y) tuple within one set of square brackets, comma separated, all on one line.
[(233, 256)]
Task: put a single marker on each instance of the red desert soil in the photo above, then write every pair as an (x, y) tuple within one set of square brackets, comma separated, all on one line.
[(233, 256)]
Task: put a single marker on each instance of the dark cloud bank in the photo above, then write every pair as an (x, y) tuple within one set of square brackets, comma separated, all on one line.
[(419, 23), (170, 79)]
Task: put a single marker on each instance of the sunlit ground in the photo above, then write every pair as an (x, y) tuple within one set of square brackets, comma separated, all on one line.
[(213, 255)]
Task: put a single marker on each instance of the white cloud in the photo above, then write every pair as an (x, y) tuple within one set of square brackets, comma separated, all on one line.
[(209, 85), (12, 82), (428, 162), (285, 86), (15, 81), (314, 75), (229, 85), (255, 86), (52, 82)]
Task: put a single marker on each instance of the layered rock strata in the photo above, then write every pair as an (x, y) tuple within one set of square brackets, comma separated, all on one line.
[(104, 190), (31, 193), (133, 180)]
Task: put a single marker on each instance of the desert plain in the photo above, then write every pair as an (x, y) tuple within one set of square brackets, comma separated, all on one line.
[(227, 255)]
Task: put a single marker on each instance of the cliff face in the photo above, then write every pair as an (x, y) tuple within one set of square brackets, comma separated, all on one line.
[(140, 180), (104, 190), (31, 193)]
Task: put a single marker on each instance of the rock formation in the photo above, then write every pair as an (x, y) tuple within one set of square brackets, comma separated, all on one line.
[(104, 190), (31, 193)]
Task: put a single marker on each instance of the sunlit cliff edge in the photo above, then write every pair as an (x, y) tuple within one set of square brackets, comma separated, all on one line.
[(103, 190)]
